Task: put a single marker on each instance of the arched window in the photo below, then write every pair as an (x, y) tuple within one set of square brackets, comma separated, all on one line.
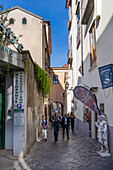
[(55, 79), (11, 21), (24, 21)]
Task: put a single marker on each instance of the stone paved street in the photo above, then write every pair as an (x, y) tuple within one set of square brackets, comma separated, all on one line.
[(78, 153)]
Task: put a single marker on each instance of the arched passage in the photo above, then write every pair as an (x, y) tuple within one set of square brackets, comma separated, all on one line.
[(56, 105)]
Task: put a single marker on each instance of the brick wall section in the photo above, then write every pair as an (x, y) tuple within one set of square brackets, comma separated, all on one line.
[(57, 89)]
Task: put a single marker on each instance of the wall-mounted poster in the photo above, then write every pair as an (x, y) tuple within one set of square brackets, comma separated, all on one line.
[(106, 75)]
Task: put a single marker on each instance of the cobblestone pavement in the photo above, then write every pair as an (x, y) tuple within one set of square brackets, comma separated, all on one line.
[(77, 153)]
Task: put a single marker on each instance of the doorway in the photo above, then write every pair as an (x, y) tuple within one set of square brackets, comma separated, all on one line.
[(2, 112), (45, 111), (94, 119)]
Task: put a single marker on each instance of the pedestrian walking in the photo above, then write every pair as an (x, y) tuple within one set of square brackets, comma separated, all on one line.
[(44, 124), (52, 114), (56, 121), (72, 117), (65, 125)]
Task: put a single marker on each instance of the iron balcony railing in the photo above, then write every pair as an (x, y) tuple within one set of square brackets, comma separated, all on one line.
[(69, 56), (78, 38)]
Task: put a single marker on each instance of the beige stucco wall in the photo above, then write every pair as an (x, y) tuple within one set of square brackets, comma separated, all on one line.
[(57, 89), (32, 33), (35, 108)]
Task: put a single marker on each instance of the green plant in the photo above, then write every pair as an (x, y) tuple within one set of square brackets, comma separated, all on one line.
[(43, 82), (25, 66), (3, 17), (7, 68)]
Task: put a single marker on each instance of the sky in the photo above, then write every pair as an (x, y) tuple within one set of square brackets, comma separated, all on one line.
[(53, 10)]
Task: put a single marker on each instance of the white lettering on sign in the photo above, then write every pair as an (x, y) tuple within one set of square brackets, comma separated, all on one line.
[(19, 92)]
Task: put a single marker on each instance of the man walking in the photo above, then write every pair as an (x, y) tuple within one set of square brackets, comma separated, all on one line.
[(65, 125), (72, 121), (56, 119)]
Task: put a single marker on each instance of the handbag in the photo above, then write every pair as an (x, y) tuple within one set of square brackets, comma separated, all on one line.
[(44, 133)]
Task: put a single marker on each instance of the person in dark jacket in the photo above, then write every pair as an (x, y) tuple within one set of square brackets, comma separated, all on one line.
[(65, 125), (72, 117), (56, 121)]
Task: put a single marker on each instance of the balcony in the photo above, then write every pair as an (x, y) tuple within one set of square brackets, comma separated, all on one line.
[(69, 56), (87, 7), (78, 38), (93, 61)]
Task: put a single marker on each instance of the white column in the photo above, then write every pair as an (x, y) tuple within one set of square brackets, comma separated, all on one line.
[(93, 125)]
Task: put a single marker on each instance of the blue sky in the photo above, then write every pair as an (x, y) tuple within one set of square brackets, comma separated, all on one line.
[(53, 10)]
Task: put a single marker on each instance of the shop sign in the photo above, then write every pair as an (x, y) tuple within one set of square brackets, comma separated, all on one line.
[(106, 75), (86, 97), (19, 119), (6, 50), (19, 92), (9, 35)]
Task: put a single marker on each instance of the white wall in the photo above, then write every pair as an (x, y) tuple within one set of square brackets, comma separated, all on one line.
[(104, 55)]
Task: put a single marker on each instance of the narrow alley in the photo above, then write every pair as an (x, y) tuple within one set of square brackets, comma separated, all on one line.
[(77, 153)]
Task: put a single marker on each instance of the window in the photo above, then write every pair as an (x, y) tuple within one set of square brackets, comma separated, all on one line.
[(102, 107), (55, 79), (11, 21), (93, 51), (24, 21)]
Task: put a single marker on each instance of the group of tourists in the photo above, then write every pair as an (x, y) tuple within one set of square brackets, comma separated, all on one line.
[(57, 121)]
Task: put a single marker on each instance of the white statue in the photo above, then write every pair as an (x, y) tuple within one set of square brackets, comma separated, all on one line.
[(102, 133)]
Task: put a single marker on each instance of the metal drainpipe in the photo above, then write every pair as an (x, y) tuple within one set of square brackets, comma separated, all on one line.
[(82, 67)]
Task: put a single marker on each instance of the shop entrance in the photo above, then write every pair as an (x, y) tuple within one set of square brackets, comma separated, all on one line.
[(93, 120), (2, 112)]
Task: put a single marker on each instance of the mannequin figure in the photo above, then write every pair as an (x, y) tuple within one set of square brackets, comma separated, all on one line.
[(102, 133)]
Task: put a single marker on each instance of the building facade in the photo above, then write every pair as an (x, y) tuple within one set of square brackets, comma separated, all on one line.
[(35, 35), (90, 48), (29, 27), (21, 104), (58, 95)]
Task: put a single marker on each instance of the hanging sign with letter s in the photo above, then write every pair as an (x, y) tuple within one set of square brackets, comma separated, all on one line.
[(106, 75)]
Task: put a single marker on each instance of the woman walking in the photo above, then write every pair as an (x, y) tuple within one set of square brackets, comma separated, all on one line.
[(44, 124)]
